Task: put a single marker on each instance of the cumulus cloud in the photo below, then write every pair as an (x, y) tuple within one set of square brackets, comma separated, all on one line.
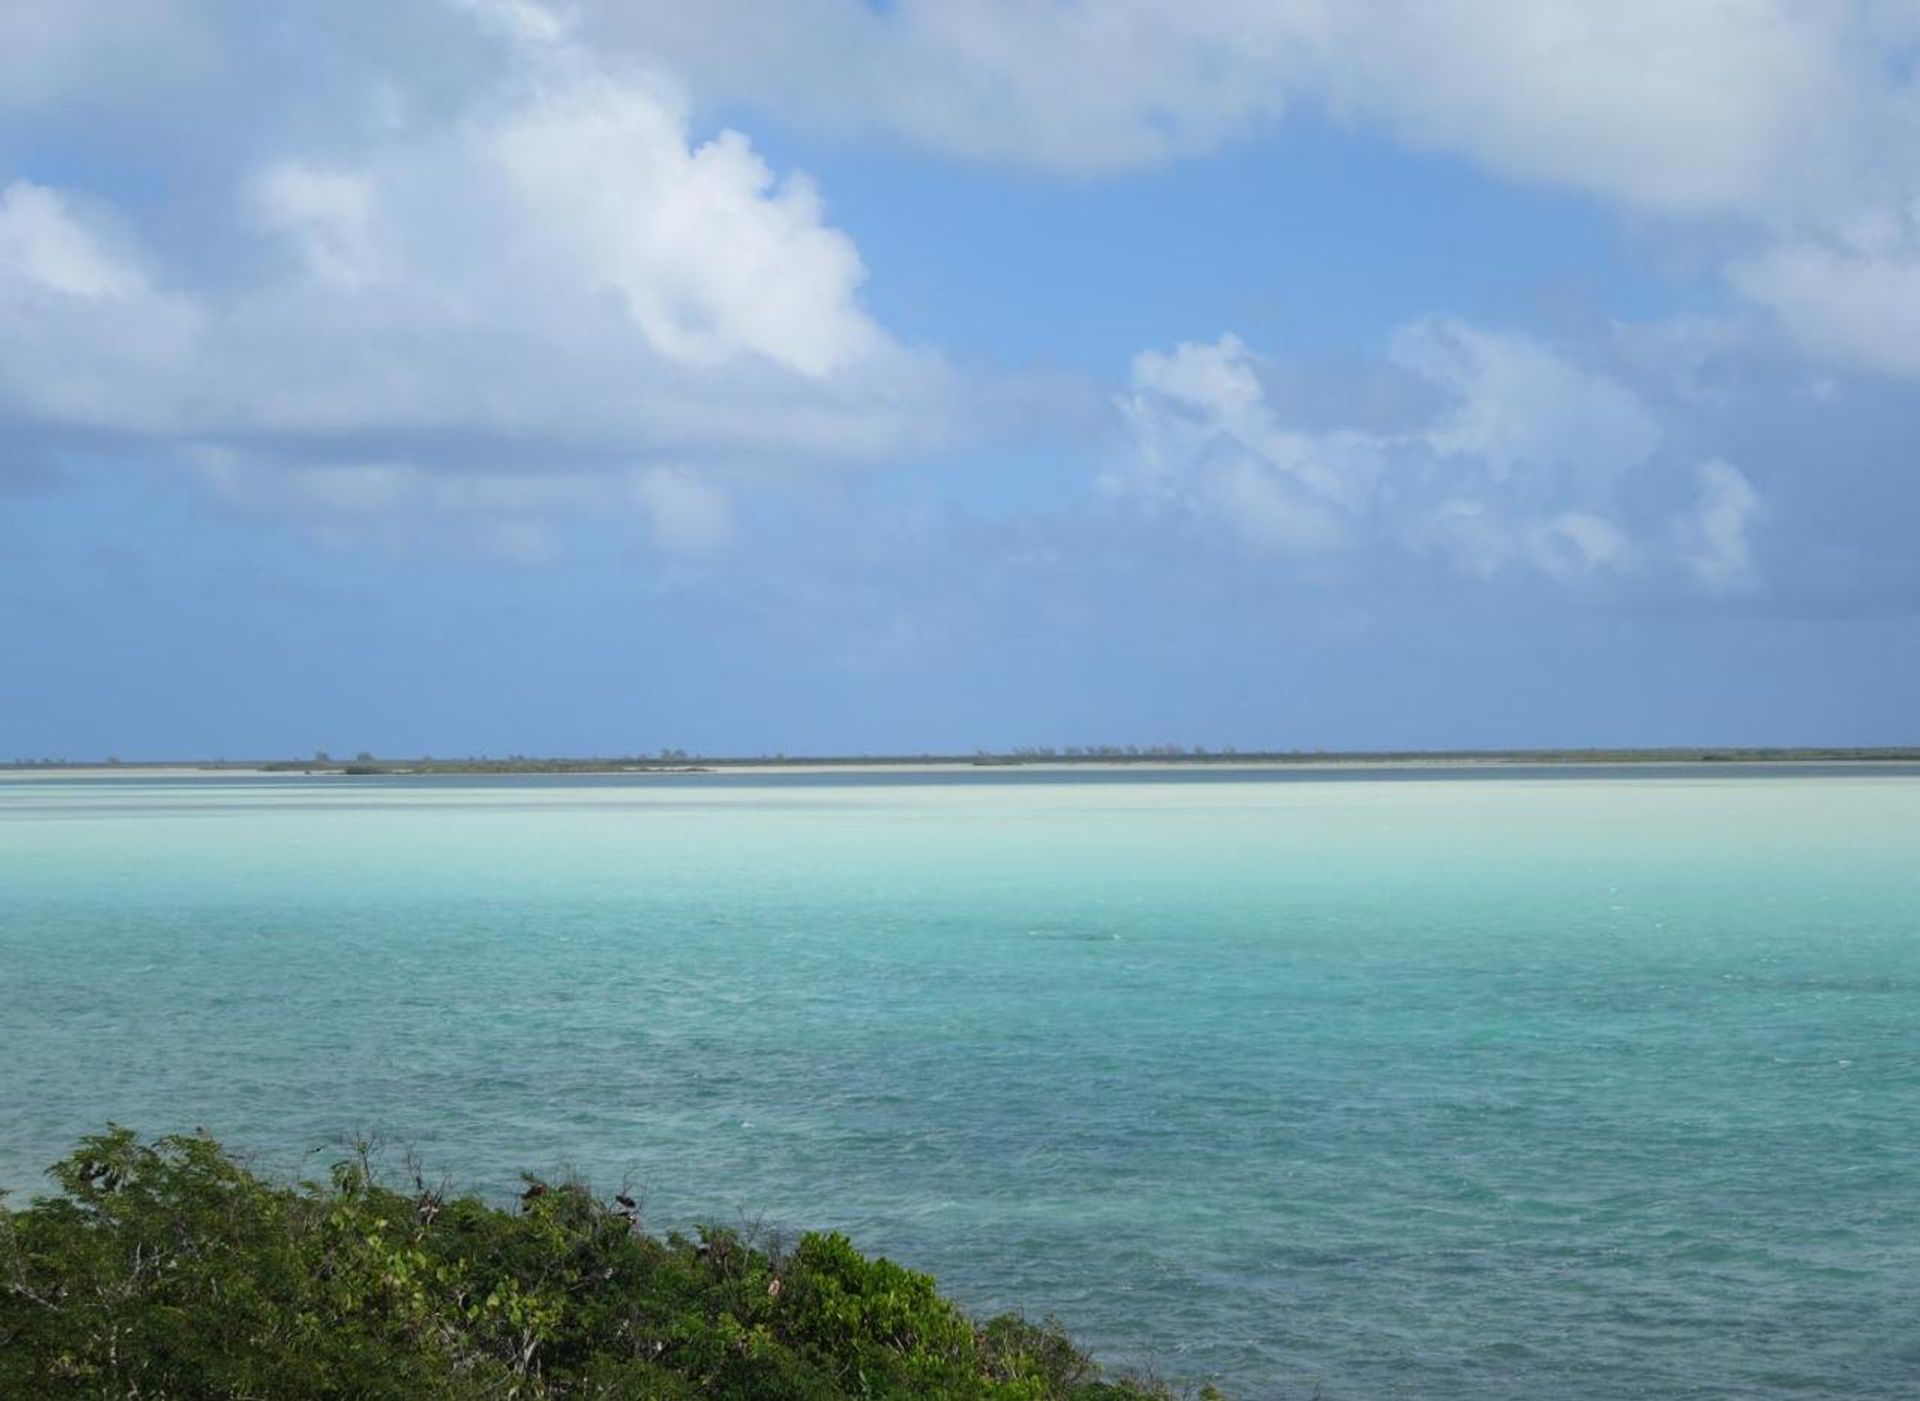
[(1685, 108), (85, 340), (1208, 444), (94, 51), (1745, 105), (1714, 537), (1523, 417), (1734, 106), (551, 279), (1853, 298), (44, 245), (523, 21), (529, 260), (686, 514), (1523, 467), (712, 256), (328, 217), (1766, 123)]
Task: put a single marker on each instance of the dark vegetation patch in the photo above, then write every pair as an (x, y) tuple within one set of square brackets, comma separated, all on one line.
[(168, 1269)]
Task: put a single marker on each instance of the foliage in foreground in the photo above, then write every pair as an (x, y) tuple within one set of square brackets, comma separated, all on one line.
[(170, 1270)]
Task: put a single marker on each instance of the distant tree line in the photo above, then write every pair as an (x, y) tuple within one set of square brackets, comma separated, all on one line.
[(673, 758)]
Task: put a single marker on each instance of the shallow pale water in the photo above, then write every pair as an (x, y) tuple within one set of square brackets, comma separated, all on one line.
[(1567, 1084)]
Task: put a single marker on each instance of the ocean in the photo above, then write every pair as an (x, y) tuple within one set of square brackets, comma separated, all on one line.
[(1496, 1083)]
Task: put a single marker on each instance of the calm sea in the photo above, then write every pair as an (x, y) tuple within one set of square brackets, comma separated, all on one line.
[(1537, 1083)]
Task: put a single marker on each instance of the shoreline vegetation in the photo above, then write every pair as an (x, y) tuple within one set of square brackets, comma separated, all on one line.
[(171, 1269), (675, 761)]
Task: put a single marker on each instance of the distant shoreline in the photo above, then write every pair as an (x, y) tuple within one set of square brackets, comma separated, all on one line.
[(1038, 762)]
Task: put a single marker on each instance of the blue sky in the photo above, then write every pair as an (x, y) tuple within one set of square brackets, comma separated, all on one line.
[(491, 376)]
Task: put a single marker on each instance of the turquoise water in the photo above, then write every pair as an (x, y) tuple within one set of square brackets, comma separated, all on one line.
[(1586, 1084)]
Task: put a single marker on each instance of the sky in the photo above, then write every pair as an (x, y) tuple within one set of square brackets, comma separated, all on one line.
[(602, 376)]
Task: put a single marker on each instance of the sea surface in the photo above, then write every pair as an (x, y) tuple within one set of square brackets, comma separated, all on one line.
[(1493, 1084)]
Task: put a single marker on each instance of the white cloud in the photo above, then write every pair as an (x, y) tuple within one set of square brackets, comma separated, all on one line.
[(1736, 105), (1522, 415), (576, 279), (1207, 440), (522, 21), (570, 285), (711, 255), (1577, 542), (1523, 467), (1730, 105), (84, 339), (685, 514), (87, 52), (328, 215), (1467, 535), (1743, 106), (44, 245), (982, 79), (1714, 538), (1852, 299), (1763, 121), (1272, 509)]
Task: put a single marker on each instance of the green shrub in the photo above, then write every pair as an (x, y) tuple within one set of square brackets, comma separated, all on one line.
[(169, 1270)]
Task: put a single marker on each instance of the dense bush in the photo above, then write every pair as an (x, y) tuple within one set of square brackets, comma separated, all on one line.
[(170, 1270)]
